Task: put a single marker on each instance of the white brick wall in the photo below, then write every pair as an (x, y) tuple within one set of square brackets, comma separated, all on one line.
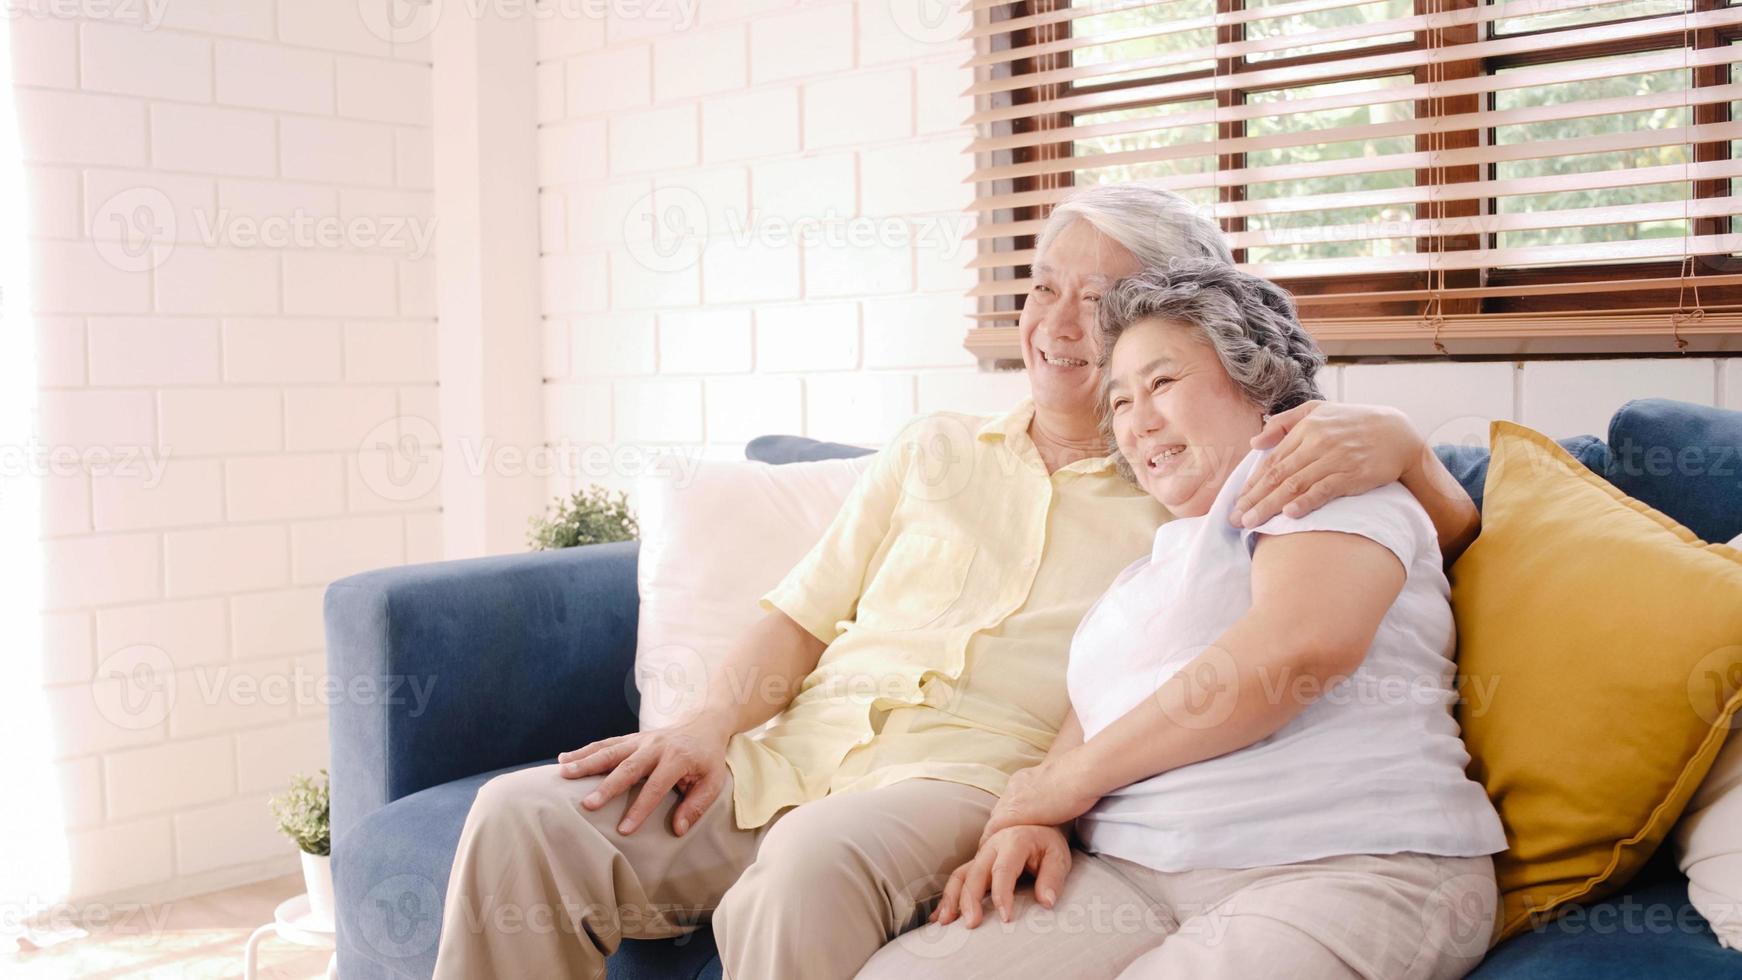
[(251, 365), (825, 111), (772, 142)]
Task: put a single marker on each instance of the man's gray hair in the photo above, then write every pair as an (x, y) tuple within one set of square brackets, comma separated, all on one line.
[(1247, 320), (1153, 223)]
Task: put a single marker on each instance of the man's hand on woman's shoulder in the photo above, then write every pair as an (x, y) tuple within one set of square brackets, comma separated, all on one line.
[(1322, 451), (1326, 450)]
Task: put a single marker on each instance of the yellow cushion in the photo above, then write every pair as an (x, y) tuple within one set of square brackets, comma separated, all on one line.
[(1600, 647)]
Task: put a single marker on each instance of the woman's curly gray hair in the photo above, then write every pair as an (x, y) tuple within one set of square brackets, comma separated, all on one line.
[(1249, 321)]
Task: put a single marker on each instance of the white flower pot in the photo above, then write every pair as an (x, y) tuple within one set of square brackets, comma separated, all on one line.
[(317, 877)]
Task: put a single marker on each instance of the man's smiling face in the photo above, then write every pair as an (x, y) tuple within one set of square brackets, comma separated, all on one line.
[(1057, 330)]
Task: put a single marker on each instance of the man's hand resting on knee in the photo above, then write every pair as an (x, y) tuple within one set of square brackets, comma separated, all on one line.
[(690, 758), (770, 662)]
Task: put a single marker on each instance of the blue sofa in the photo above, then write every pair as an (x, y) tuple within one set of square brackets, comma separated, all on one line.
[(458, 671)]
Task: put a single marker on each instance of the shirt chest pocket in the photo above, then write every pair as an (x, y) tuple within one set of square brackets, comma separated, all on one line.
[(921, 577)]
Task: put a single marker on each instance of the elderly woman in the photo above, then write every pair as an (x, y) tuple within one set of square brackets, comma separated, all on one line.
[(1260, 758), (951, 580)]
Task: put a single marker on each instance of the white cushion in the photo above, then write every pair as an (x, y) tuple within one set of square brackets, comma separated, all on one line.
[(711, 548), (1709, 840)]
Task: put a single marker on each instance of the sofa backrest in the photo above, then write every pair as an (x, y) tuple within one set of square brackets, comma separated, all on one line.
[(1683, 459)]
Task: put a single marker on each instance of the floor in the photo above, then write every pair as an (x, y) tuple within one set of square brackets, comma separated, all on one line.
[(200, 937)]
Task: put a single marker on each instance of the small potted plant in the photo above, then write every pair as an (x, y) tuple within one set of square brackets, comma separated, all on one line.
[(589, 516), (302, 816)]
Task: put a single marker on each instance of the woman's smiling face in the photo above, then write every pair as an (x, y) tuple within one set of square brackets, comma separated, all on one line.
[(1058, 319), (1180, 421)]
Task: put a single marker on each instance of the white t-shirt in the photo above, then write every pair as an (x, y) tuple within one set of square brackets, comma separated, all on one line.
[(1374, 766)]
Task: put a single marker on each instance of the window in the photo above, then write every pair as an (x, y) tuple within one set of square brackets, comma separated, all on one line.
[(1452, 176)]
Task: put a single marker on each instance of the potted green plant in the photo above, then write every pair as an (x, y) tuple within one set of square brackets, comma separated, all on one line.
[(588, 516), (303, 816)]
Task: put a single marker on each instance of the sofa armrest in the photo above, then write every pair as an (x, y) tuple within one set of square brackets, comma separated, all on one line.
[(450, 669)]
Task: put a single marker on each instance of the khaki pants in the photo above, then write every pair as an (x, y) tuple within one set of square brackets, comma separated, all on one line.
[(1397, 917), (543, 888)]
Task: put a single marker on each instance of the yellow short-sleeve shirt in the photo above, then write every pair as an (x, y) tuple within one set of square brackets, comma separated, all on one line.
[(947, 590)]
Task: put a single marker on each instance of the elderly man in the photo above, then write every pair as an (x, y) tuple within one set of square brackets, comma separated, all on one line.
[(911, 663)]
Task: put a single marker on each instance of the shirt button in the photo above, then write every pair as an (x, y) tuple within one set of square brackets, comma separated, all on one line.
[(1028, 563)]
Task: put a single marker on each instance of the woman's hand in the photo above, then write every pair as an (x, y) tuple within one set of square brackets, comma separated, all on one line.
[(1326, 450), (1041, 851), (690, 758), (1049, 794)]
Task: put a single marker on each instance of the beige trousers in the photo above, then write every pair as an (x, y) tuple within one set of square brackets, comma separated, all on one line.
[(543, 888), (1397, 917)]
